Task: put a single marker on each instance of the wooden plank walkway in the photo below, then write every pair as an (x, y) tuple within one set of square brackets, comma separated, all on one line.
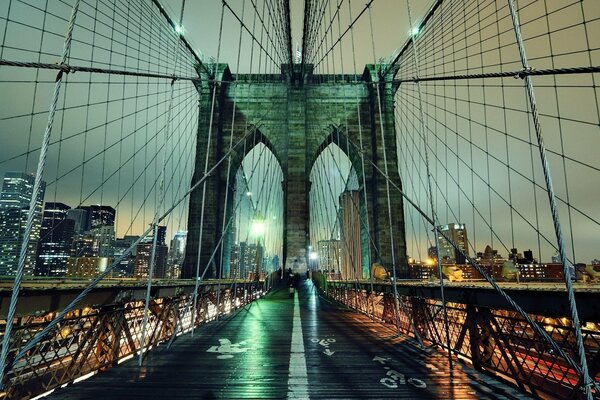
[(279, 347)]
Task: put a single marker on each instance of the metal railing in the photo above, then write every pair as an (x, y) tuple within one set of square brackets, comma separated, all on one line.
[(94, 338), (494, 340)]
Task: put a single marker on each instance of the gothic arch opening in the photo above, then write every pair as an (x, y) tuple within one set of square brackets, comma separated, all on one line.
[(257, 209)]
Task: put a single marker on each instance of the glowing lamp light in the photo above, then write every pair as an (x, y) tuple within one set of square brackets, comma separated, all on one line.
[(429, 261), (248, 194), (313, 255), (415, 31), (258, 227), (64, 332), (179, 29)]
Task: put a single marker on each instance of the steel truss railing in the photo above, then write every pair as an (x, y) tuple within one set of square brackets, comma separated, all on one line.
[(497, 341), (92, 339)]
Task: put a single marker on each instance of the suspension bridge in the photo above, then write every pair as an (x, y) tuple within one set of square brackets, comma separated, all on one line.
[(318, 199)]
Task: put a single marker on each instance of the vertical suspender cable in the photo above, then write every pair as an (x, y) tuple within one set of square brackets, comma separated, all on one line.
[(162, 194), (362, 156), (34, 198), (208, 143), (389, 202), (397, 302), (428, 172), (567, 271), (233, 212)]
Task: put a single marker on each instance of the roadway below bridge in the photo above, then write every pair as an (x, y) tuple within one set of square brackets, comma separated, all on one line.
[(283, 347)]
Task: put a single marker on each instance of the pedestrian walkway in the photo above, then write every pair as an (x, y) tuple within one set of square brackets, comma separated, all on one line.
[(298, 348)]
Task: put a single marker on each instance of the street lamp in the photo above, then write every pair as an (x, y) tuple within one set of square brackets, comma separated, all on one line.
[(313, 256), (258, 229)]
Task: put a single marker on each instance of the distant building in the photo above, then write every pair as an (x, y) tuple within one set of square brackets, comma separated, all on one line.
[(329, 255), (490, 256), (56, 237), (176, 255), (249, 256), (17, 190), (80, 218), (96, 215), (350, 246), (177, 248), (234, 261), (104, 237), (86, 267), (83, 246), (161, 236), (125, 267), (142, 263), (457, 233)]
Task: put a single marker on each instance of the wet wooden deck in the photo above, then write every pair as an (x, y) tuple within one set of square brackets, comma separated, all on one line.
[(279, 347)]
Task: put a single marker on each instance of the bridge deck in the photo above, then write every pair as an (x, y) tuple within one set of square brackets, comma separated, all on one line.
[(283, 348)]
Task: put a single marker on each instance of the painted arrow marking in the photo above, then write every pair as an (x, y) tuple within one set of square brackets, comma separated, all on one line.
[(328, 352)]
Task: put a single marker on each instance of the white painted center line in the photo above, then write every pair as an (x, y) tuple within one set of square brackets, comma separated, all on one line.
[(297, 377)]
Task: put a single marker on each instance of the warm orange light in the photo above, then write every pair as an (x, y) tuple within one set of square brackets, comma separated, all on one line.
[(64, 332)]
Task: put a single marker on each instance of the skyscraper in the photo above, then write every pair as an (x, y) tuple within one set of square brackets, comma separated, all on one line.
[(177, 250), (104, 238), (457, 233), (176, 255), (126, 266), (143, 259), (55, 242), (94, 216), (79, 217), (329, 255), (17, 190), (350, 246)]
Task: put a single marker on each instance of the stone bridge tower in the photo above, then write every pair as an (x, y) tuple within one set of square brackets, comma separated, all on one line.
[(296, 115)]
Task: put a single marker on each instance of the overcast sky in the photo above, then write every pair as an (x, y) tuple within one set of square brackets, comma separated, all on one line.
[(127, 116)]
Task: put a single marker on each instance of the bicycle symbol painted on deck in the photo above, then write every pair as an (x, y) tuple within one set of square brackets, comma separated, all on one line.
[(226, 349), (393, 378)]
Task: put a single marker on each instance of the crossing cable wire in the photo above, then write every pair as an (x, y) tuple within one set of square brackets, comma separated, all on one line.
[(36, 192), (428, 172), (71, 306), (162, 194), (512, 169), (219, 244), (389, 202), (482, 179), (236, 207), (251, 33), (355, 207), (349, 270), (567, 270), (223, 228), (215, 85), (534, 325), (339, 170), (360, 139), (560, 131), (338, 41)]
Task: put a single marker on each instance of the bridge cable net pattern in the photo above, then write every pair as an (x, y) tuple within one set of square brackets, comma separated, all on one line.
[(469, 153), (475, 109), (123, 90), (127, 109)]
